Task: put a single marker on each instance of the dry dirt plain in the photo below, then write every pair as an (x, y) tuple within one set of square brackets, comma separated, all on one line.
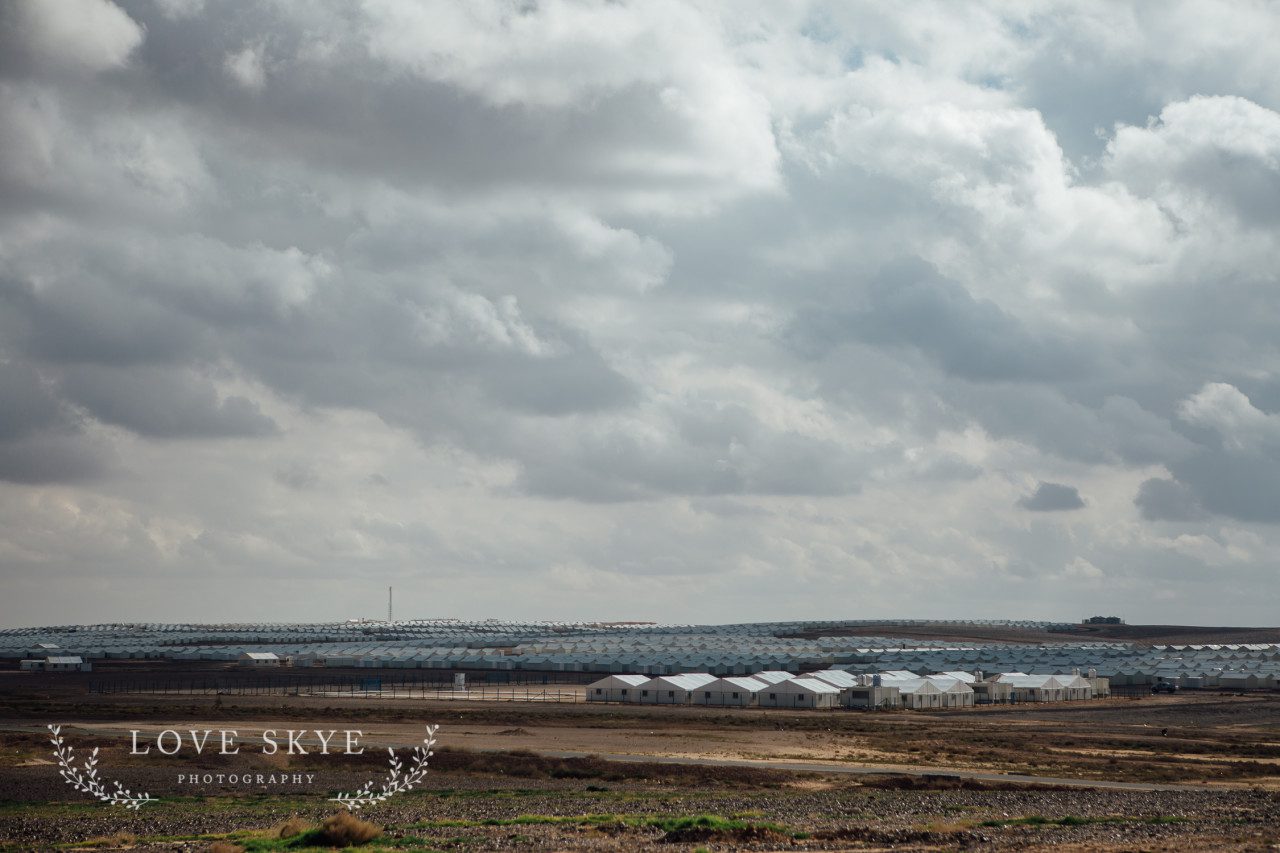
[(1200, 771)]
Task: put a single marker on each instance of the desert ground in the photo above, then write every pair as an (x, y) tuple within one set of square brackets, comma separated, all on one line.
[(1149, 773)]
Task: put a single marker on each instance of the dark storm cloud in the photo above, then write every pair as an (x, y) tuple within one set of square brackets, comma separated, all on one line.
[(909, 304), (41, 439), (91, 320), (51, 458), (1168, 500), (1052, 497), (163, 403), (1243, 485)]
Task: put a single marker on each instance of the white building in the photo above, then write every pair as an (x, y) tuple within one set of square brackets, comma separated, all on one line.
[(616, 688), (739, 691), (258, 659), (773, 676), (835, 677), (800, 693), (1040, 688), (673, 689), (871, 696), (66, 663), (955, 693), (916, 693)]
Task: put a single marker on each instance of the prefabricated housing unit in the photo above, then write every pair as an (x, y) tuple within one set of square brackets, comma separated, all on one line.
[(871, 696), (739, 691), (673, 689), (66, 663), (258, 659), (616, 688), (800, 693)]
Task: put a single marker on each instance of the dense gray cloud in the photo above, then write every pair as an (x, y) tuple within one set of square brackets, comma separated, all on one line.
[(162, 404), (1052, 497), (787, 303), (1168, 500)]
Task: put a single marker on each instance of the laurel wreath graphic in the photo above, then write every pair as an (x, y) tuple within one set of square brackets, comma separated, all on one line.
[(85, 778), (397, 781)]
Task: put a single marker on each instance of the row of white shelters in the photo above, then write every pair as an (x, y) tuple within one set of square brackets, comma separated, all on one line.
[(860, 691), (931, 691), (673, 689), (1046, 688), (832, 688)]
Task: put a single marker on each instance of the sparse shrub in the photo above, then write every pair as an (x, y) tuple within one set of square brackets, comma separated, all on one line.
[(291, 827), (346, 830), (115, 839)]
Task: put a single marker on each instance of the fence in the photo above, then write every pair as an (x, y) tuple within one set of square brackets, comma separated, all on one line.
[(407, 686)]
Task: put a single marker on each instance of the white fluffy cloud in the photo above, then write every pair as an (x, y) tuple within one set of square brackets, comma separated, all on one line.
[(79, 35), (1228, 412)]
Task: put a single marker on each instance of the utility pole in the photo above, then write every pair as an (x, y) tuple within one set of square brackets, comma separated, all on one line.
[(388, 604)]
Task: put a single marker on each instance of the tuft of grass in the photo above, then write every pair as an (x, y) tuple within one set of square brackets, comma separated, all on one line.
[(291, 827), (343, 829)]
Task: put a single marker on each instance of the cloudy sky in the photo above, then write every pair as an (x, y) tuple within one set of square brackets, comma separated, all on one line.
[(670, 311)]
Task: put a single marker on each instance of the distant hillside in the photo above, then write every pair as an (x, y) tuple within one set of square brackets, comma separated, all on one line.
[(1141, 634)]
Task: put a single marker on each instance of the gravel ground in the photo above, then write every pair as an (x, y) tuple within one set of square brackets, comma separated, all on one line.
[(829, 816)]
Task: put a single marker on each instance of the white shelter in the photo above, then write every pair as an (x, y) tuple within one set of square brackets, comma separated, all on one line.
[(1035, 688), (917, 693), (739, 691), (835, 677), (955, 693), (616, 688), (673, 689), (258, 659), (800, 693), (66, 663), (772, 676)]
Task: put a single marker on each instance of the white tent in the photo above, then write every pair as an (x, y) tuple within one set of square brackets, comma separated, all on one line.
[(772, 676), (800, 693), (1035, 688), (916, 693), (256, 659), (835, 677), (616, 688), (673, 689), (955, 693), (738, 691)]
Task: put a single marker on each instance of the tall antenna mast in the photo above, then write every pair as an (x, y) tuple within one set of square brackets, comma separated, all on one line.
[(388, 604)]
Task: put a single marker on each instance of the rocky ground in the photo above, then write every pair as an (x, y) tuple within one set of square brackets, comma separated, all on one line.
[(458, 809), (496, 785)]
